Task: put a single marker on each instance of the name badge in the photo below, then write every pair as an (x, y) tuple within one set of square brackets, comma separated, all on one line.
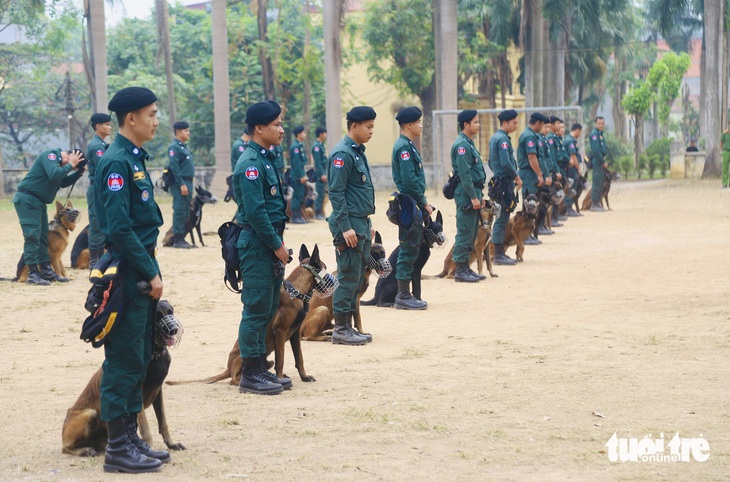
[(139, 176)]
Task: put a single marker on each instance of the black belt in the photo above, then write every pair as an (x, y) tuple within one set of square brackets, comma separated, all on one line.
[(187, 179), (279, 227), (478, 185), (25, 191), (151, 249)]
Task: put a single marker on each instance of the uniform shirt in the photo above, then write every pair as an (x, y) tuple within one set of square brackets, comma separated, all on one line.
[(278, 158), (350, 186), (238, 147), (126, 209), (543, 155), (571, 147), (502, 156), (298, 160), (407, 169), (563, 158), (725, 140), (525, 146), (181, 162), (257, 186), (320, 160), (94, 151), (46, 176), (467, 163), (598, 146)]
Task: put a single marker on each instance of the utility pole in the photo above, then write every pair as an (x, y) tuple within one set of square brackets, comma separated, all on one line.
[(69, 109)]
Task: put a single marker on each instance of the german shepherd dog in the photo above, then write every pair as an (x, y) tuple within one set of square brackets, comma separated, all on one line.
[(608, 176), (195, 217), (520, 226), (387, 288), (317, 325), (83, 431), (286, 323), (59, 229), (80, 250), (484, 237)]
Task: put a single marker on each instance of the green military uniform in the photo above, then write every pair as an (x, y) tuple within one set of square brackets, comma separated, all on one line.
[(238, 147), (352, 196), (262, 214), (556, 153), (320, 169), (503, 165), (183, 173), (130, 219), (467, 163), (598, 154), (37, 189), (544, 156), (725, 141), (94, 151), (410, 179), (279, 160), (571, 148), (297, 160), (528, 144)]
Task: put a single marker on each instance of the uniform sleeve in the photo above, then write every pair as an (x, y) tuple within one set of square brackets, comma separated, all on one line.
[(116, 204), (54, 170), (250, 191), (174, 156), (318, 155), (505, 158), (596, 150), (339, 169), (234, 156), (464, 161), (72, 178), (406, 162)]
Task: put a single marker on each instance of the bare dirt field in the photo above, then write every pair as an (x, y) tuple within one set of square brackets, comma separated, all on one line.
[(620, 322)]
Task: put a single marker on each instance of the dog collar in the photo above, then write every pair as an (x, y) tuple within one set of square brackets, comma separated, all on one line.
[(295, 293)]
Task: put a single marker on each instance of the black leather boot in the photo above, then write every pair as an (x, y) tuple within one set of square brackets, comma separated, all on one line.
[(462, 274), (48, 274), (285, 382), (501, 258), (474, 273), (368, 337), (297, 218), (34, 277), (253, 381), (181, 243), (344, 334), (319, 216), (122, 455), (130, 422), (532, 241), (404, 300)]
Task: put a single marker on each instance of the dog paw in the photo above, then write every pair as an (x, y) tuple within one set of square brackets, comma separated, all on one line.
[(494, 275), (176, 446), (309, 378), (88, 452)]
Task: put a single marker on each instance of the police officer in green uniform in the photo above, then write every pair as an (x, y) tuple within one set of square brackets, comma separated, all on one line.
[(466, 162), (319, 155), (52, 170), (573, 171), (353, 201), (298, 160), (183, 173), (102, 125), (130, 220), (598, 161), (725, 146), (410, 179), (279, 160), (503, 165), (530, 170), (238, 147), (546, 165), (553, 154), (261, 250)]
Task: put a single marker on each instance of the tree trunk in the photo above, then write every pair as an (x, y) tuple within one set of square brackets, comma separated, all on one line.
[(638, 140), (442, 93), (619, 117), (264, 58), (534, 50), (307, 94), (703, 78), (165, 50), (713, 22), (97, 40), (333, 17), (221, 93)]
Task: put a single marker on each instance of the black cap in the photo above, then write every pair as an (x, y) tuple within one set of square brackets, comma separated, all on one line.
[(466, 115), (130, 99), (180, 125), (297, 130), (99, 118), (507, 115), (409, 114), (262, 112), (537, 117), (554, 119), (319, 131), (361, 113)]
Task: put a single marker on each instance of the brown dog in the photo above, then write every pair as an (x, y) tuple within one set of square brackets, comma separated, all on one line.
[(519, 227), (481, 243), (317, 325), (608, 176), (83, 431)]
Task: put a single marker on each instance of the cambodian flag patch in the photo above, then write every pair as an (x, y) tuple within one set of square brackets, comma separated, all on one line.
[(338, 162), (252, 173), (316, 148), (115, 182), (405, 155), (296, 150), (572, 146), (52, 156), (530, 143), (594, 137), (172, 153), (550, 141), (505, 145), (461, 150), (240, 148), (99, 153)]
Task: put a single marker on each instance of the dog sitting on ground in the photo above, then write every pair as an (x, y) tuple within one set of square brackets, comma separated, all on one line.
[(386, 289), (195, 217), (83, 431), (608, 177), (519, 227), (579, 187), (317, 325), (80, 250)]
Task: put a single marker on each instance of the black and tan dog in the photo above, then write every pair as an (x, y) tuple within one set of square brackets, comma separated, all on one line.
[(195, 217), (80, 250), (386, 289), (83, 431), (608, 177), (519, 227)]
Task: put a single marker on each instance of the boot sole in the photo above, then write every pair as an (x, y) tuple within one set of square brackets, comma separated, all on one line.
[(402, 307), (505, 264), (260, 392), (116, 468), (466, 280), (349, 343)]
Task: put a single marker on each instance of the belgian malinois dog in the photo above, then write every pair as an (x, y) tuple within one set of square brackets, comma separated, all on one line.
[(195, 217), (519, 227), (608, 176)]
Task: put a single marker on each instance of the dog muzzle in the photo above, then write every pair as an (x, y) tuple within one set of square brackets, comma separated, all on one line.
[(496, 210), (168, 331), (569, 183), (381, 267), (558, 195), (435, 240), (530, 208), (70, 215), (325, 284)]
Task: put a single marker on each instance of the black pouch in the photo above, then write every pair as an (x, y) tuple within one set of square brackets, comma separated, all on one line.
[(394, 208), (228, 233), (229, 192), (450, 187), (166, 180), (105, 301)]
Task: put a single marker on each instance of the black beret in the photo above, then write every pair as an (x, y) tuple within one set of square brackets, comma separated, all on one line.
[(262, 112), (537, 117), (319, 131), (180, 125), (99, 118), (554, 119), (361, 113), (466, 115), (130, 99), (409, 114), (297, 130), (507, 115)]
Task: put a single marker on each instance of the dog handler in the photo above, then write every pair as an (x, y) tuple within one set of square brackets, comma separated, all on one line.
[(130, 219), (409, 178), (319, 156), (467, 163), (102, 125), (530, 168), (261, 250), (48, 174), (353, 201), (598, 153), (298, 160), (573, 150), (183, 173)]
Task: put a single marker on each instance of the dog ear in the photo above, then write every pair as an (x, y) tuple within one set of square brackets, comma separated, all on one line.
[(59, 206), (314, 259), (68, 204), (439, 218), (303, 253), (378, 239)]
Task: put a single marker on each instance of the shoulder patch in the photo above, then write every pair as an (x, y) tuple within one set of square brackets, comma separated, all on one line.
[(252, 173), (594, 137), (461, 150), (115, 181), (338, 162), (504, 145), (530, 143), (572, 146), (240, 148), (296, 150), (405, 155), (550, 141), (316, 148), (52, 156), (172, 153), (99, 153)]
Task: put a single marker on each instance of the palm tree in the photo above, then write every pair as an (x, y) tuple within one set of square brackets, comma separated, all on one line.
[(714, 20), (334, 14), (221, 89)]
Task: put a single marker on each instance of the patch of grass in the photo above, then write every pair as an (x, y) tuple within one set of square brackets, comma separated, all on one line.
[(24, 330), (227, 422), (417, 408), (652, 340), (412, 353)]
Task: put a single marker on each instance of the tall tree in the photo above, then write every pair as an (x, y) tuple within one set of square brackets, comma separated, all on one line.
[(221, 87), (334, 14), (96, 62), (714, 20), (263, 44), (162, 15)]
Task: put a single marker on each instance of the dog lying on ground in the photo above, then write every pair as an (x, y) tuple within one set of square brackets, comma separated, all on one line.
[(317, 325), (195, 217), (519, 227), (83, 431), (608, 176), (386, 289), (80, 250)]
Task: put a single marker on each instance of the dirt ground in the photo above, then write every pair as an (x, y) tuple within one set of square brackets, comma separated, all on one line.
[(620, 322)]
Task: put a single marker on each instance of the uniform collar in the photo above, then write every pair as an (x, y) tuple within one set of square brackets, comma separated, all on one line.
[(180, 142), (468, 139), (96, 136), (530, 129), (353, 145), (504, 132), (139, 153), (267, 153)]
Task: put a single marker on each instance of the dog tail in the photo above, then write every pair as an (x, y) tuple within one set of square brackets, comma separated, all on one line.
[(369, 302), (9, 279), (434, 276), (221, 376)]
